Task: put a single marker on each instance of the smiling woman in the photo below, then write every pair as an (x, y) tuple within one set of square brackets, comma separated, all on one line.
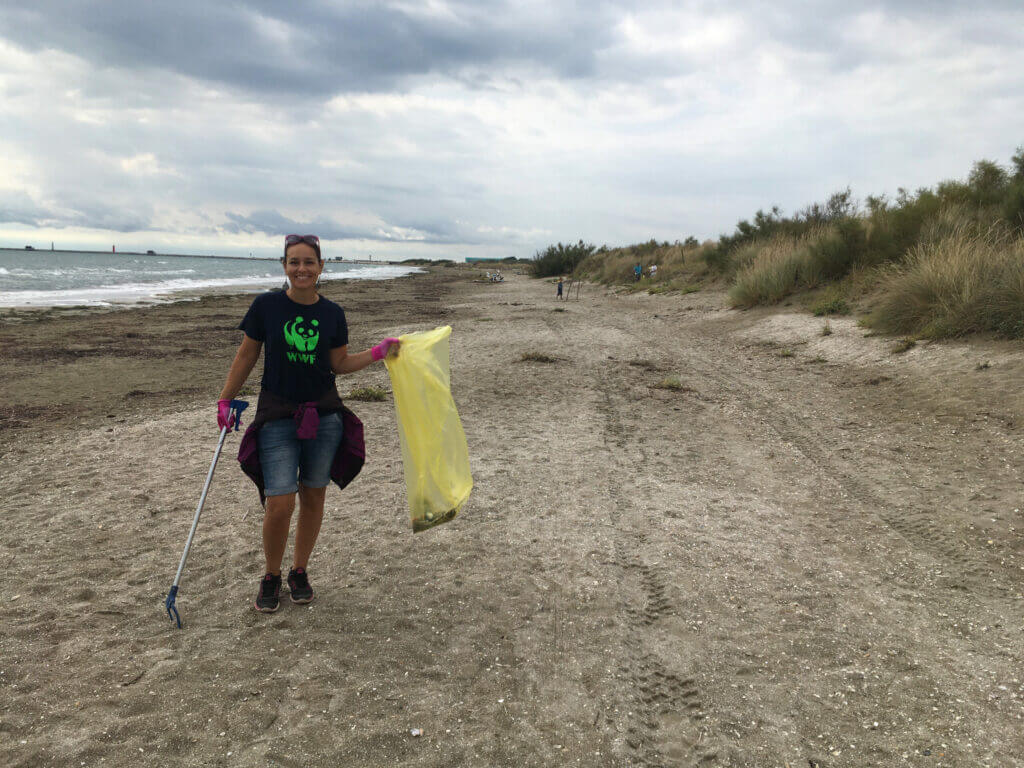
[(303, 436)]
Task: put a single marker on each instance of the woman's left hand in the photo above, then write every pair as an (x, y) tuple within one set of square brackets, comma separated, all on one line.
[(382, 350)]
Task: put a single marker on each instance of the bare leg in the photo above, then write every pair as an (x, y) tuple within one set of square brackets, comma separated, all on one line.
[(276, 521), (311, 515)]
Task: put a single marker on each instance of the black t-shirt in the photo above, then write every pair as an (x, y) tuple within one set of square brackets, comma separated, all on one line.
[(297, 341)]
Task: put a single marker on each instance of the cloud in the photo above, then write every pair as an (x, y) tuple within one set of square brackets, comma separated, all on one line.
[(488, 127), (314, 49), (18, 207)]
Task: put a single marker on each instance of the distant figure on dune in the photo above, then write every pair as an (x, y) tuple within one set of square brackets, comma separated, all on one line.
[(303, 436), (638, 272), (558, 295), (654, 270)]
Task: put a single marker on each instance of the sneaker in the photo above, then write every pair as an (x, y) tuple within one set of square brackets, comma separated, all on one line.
[(268, 599), (298, 585)]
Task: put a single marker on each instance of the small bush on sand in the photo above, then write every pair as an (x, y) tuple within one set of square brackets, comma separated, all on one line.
[(368, 394), (670, 382), (536, 357), (827, 330), (830, 302), (903, 345)]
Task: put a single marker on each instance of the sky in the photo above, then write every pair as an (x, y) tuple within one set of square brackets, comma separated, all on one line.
[(450, 129)]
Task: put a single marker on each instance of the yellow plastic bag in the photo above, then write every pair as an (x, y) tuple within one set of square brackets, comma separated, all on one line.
[(434, 450)]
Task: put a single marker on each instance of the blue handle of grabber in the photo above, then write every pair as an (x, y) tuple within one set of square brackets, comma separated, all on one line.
[(169, 605), (237, 406)]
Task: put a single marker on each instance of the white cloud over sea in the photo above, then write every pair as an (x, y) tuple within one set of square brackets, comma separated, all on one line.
[(449, 129)]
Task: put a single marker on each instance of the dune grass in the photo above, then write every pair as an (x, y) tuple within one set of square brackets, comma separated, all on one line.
[(937, 262), (682, 267), (965, 282)]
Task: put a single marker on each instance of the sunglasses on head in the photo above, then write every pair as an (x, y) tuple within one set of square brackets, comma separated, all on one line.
[(311, 240)]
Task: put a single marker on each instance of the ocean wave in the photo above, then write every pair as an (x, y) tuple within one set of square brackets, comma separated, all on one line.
[(4, 271), (163, 290)]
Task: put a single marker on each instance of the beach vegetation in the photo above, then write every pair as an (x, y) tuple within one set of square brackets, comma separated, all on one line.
[(933, 262), (368, 394), (681, 267), (671, 382), (903, 255), (830, 301), (968, 281), (560, 259)]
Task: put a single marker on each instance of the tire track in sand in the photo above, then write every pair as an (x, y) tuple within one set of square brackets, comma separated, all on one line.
[(665, 727), (917, 526)]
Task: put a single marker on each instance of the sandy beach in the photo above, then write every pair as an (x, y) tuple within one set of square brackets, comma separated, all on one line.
[(809, 553)]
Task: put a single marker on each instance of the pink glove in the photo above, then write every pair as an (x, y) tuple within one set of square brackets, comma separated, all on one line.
[(223, 414), (380, 351)]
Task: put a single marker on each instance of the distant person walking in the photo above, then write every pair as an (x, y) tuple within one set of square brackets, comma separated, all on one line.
[(303, 436), (654, 270), (638, 272), (559, 294)]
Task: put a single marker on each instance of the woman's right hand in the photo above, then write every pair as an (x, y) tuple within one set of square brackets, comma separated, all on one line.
[(223, 414), (380, 351)]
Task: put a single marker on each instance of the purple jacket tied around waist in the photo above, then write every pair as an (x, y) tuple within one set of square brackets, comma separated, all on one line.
[(348, 459)]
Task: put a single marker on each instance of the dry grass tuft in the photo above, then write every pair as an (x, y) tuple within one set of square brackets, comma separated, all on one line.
[(371, 394), (964, 282), (672, 383)]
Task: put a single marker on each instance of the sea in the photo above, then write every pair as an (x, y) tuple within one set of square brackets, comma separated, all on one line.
[(38, 278)]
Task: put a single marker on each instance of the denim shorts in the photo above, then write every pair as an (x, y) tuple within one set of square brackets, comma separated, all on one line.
[(287, 461)]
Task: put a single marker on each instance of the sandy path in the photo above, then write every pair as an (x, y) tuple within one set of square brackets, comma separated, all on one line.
[(791, 561)]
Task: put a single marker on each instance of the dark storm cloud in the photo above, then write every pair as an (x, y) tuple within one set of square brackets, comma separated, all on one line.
[(315, 49), (20, 208)]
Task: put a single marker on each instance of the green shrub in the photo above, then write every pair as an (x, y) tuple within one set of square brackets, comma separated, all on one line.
[(832, 255), (560, 259), (830, 302)]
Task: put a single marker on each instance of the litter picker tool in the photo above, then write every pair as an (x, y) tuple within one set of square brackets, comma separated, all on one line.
[(237, 406)]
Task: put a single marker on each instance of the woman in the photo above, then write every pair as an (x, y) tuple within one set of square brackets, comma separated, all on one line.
[(295, 444)]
